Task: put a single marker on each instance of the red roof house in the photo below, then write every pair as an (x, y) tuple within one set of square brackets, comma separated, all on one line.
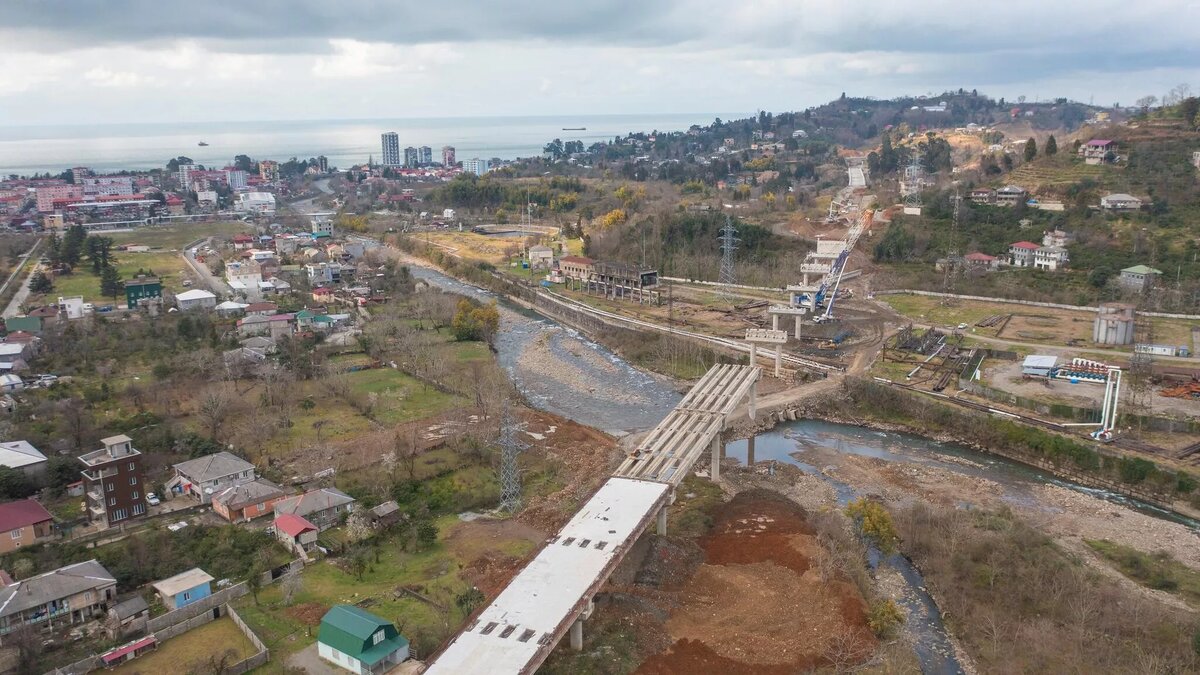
[(25, 522)]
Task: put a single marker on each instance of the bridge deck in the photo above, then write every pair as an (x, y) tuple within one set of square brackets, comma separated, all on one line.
[(518, 630)]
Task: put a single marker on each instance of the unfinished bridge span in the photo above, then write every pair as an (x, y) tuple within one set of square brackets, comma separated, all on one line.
[(552, 595)]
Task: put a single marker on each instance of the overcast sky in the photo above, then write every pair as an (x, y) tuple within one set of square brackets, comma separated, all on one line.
[(108, 61)]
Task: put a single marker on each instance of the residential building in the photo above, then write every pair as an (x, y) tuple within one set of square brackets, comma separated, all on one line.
[(268, 170), (243, 242), (1021, 253), (576, 267), (230, 308), (1139, 278), (14, 357), (23, 457), (254, 325), (68, 595), (983, 196), (983, 261), (410, 157), (1196, 158), (183, 174), (140, 288), (475, 165), (1057, 238), (25, 324), (391, 149), (263, 309), (205, 476), (23, 522), (324, 507), (322, 227), (236, 179), (195, 299), (247, 501), (1098, 151), (113, 482), (425, 155), (360, 642), (184, 588), (322, 164), (243, 274), (206, 198), (1050, 258), (107, 186), (296, 533), (72, 307), (1011, 195), (47, 195), (1120, 202), (541, 257), (448, 156)]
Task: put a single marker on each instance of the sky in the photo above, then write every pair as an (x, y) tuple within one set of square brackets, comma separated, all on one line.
[(120, 61)]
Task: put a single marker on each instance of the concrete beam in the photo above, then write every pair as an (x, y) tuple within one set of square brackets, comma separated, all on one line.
[(715, 472), (577, 635)]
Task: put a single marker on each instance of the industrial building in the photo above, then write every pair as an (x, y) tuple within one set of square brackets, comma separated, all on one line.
[(1115, 324)]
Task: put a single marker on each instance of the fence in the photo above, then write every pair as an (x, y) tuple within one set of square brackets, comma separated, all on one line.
[(1027, 303), (201, 606), (260, 657)]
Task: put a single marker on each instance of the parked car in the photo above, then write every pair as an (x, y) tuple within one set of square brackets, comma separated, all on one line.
[(105, 308), (187, 282), (46, 380), (175, 527), (152, 499)]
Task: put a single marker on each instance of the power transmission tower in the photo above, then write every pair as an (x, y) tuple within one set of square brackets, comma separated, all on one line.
[(954, 260), (914, 182), (729, 242), (510, 472)]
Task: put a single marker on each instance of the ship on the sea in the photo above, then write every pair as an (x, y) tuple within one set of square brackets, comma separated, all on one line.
[(574, 128), (203, 144)]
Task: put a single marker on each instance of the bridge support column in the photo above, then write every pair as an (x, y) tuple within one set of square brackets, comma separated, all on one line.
[(662, 522), (753, 354), (753, 400), (715, 472), (577, 635), (778, 360), (750, 451), (774, 322), (797, 326)]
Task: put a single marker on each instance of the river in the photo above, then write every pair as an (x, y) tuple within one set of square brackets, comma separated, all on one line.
[(561, 371)]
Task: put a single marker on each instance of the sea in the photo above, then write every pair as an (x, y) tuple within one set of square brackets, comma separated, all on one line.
[(25, 150)]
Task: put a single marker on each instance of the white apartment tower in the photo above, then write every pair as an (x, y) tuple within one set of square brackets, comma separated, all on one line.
[(391, 149)]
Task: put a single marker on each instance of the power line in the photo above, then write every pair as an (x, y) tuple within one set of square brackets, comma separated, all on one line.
[(510, 472)]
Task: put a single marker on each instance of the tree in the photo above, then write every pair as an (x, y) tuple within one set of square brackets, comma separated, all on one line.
[(214, 410), (14, 484), (290, 586), (475, 322), (254, 581), (1030, 149), (110, 282), (1051, 147), (40, 283)]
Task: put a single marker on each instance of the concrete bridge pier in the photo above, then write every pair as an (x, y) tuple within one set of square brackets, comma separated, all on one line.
[(750, 451), (716, 458), (576, 631), (662, 514)]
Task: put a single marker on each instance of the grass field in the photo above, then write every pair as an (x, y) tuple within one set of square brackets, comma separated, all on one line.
[(193, 651), (1155, 570), (175, 237), (402, 398), (168, 266), (1058, 172), (286, 630)]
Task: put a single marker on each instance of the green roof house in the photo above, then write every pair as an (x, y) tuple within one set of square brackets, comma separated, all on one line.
[(360, 642), (142, 288), (28, 324), (1139, 278)]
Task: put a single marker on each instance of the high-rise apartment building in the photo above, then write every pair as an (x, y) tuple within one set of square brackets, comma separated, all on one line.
[(236, 179), (322, 164), (476, 166), (448, 156), (425, 155), (410, 157), (391, 149), (106, 186), (268, 170)]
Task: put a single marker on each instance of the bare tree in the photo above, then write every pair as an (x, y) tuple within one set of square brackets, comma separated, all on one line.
[(214, 411), (290, 586)]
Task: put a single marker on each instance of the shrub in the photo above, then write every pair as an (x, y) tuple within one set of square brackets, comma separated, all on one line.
[(884, 618)]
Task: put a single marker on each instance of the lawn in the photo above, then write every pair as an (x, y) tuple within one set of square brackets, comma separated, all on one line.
[(434, 573), (167, 266), (401, 397), (193, 651), (175, 237)]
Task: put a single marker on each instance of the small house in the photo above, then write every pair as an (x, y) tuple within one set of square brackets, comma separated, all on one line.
[(1139, 278), (1098, 151), (1021, 253), (982, 261), (142, 287), (68, 595), (296, 533), (540, 257), (1120, 202), (360, 642), (247, 501), (324, 507), (22, 456), (195, 299), (205, 476), (184, 588), (128, 617), (23, 522), (576, 267)]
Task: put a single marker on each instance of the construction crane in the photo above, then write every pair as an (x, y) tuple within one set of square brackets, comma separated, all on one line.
[(838, 269)]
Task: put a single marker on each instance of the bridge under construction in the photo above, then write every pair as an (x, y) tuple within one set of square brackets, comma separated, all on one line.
[(552, 596)]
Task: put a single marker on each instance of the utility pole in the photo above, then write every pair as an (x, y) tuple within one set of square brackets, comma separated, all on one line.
[(510, 473)]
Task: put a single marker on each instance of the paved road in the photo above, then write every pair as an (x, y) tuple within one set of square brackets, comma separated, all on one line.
[(14, 307), (214, 283)]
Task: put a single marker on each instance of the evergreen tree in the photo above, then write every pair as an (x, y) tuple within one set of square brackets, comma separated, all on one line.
[(40, 283), (1051, 147), (1030, 149), (110, 282)]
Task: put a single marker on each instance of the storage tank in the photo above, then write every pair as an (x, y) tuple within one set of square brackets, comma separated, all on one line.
[(1114, 324)]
